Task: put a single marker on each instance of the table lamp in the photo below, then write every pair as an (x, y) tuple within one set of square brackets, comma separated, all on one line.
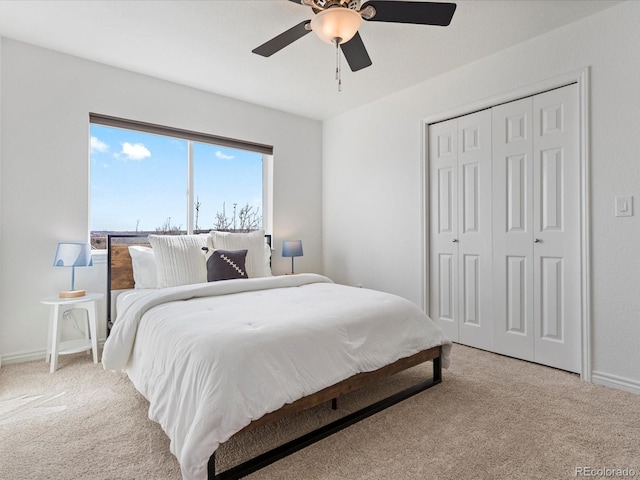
[(292, 248), (73, 255)]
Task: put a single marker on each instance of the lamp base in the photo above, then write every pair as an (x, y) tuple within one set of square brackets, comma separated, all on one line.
[(73, 293)]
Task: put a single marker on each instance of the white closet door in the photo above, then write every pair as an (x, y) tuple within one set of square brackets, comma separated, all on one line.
[(536, 204), (556, 229), (505, 228), (513, 228), (443, 187), (474, 230), (460, 226)]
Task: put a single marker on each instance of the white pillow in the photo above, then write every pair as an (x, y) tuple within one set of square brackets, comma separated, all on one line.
[(257, 262), (143, 262), (267, 257), (180, 259)]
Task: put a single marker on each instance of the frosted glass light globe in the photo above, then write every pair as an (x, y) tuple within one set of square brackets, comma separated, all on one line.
[(336, 23)]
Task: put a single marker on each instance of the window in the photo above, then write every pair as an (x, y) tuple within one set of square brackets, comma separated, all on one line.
[(151, 179)]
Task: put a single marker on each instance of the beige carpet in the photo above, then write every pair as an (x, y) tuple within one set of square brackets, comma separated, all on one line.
[(492, 418)]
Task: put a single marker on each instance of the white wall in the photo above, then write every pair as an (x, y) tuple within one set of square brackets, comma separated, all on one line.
[(372, 175), (0, 164), (44, 174)]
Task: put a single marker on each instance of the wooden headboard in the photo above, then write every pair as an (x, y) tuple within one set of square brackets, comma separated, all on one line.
[(121, 268), (119, 265)]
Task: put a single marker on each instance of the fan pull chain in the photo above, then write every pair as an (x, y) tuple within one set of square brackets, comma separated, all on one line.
[(338, 66)]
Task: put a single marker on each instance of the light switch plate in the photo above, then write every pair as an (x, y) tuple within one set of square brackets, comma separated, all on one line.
[(624, 206)]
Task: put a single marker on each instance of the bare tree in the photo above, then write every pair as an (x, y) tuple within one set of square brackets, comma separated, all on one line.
[(250, 218), (167, 229), (247, 219), (197, 207), (222, 223)]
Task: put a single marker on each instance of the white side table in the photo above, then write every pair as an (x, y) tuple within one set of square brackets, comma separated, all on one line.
[(58, 307)]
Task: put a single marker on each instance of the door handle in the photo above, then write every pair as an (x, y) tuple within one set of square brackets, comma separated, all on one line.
[(537, 240), (455, 240)]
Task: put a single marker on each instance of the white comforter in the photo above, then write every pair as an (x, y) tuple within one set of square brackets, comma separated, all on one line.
[(239, 349)]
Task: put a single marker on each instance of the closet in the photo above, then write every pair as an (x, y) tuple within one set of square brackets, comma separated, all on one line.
[(504, 228)]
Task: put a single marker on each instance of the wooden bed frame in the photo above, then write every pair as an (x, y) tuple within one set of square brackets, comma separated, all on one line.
[(120, 276)]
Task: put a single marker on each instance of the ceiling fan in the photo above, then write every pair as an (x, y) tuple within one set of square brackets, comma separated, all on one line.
[(337, 22)]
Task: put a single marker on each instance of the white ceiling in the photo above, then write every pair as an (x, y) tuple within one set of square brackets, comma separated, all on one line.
[(207, 44)]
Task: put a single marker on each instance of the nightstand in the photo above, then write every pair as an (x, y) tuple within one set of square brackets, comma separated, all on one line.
[(58, 307)]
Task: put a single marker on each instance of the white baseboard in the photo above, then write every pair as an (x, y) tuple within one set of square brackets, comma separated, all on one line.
[(614, 381), (31, 355), (26, 356)]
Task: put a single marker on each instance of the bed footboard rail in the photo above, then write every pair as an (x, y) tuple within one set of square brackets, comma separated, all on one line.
[(351, 384)]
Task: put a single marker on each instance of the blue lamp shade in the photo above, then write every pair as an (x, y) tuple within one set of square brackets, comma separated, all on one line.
[(73, 255), (292, 248)]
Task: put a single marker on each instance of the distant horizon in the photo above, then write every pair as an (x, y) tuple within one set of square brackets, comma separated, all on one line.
[(143, 232), (98, 238)]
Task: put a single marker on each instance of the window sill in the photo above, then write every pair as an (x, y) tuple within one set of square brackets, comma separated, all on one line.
[(99, 257)]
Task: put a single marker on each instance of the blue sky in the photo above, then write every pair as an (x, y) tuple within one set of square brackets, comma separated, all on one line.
[(143, 177)]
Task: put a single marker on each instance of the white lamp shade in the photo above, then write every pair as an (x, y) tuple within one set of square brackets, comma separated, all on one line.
[(73, 255), (338, 22)]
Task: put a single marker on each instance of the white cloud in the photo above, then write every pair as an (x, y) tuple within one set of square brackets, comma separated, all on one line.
[(135, 151), (222, 156), (98, 145)]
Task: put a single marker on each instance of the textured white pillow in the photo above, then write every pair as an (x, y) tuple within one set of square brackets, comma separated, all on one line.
[(180, 259), (256, 262), (143, 262)]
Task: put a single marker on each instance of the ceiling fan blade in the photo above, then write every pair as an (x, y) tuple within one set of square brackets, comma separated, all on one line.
[(421, 13), (355, 53), (285, 38)]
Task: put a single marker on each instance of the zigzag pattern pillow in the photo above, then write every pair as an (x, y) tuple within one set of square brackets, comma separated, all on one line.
[(226, 265)]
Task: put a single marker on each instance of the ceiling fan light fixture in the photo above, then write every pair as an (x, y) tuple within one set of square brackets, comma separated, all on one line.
[(336, 23)]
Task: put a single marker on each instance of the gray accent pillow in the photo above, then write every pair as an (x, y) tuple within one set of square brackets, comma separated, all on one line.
[(226, 265)]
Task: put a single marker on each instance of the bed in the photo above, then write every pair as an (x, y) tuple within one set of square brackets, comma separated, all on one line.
[(219, 357)]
